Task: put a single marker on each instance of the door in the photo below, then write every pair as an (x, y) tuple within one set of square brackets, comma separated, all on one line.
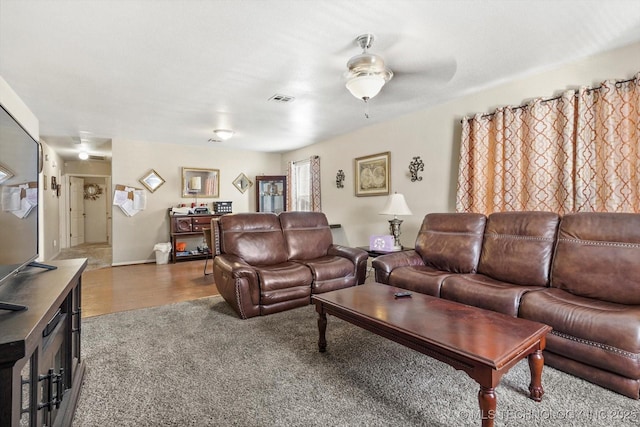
[(76, 210)]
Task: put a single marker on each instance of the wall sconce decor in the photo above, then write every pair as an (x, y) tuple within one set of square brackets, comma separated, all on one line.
[(416, 166), (340, 179)]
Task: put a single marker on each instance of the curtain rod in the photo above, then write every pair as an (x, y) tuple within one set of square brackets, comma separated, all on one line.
[(576, 92)]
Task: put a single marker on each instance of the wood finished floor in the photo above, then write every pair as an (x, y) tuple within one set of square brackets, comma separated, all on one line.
[(114, 289)]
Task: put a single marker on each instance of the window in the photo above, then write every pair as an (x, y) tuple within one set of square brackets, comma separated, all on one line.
[(304, 181)]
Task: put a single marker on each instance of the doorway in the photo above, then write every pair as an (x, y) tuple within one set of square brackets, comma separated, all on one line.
[(87, 216)]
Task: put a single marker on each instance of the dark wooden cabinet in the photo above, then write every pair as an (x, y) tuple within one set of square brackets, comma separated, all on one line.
[(188, 229), (271, 193), (41, 368)]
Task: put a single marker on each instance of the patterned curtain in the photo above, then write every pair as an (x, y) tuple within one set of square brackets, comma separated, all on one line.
[(518, 158), (608, 148), (316, 205), (576, 152)]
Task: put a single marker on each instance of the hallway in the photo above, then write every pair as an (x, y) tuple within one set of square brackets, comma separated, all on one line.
[(99, 254)]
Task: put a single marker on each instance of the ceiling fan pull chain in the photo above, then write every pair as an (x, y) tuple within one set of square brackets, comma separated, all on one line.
[(366, 106)]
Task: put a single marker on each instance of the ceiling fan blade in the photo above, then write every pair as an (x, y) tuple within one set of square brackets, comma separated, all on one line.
[(441, 71)]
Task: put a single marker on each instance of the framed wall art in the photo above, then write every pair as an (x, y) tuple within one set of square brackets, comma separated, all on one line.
[(152, 180), (373, 175), (198, 182), (242, 183)]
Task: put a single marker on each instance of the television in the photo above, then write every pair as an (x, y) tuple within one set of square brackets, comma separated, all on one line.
[(19, 167)]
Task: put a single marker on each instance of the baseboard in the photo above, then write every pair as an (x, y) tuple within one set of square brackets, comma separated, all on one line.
[(118, 264)]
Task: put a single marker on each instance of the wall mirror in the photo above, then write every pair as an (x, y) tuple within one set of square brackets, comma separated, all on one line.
[(6, 174), (198, 182), (242, 183), (152, 180)]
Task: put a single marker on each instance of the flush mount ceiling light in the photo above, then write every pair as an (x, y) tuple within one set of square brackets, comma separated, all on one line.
[(222, 135), (83, 155), (366, 73)]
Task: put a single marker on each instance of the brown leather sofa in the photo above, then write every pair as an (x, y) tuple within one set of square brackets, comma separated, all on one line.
[(267, 263), (580, 274)]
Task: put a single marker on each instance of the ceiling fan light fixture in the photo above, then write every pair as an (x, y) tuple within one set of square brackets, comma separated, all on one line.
[(223, 134), (365, 86)]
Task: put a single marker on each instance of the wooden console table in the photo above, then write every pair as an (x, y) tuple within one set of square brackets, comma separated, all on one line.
[(41, 369), (484, 344), (188, 227)]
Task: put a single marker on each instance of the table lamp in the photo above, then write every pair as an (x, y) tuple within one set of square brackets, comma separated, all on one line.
[(195, 185), (396, 205)]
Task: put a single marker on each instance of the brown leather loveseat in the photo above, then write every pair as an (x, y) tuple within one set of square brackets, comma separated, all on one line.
[(580, 274), (269, 263)]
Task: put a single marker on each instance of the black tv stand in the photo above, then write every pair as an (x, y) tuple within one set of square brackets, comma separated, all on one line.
[(41, 265), (19, 307), (12, 307)]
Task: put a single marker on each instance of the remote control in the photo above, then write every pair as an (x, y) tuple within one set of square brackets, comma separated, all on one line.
[(402, 294)]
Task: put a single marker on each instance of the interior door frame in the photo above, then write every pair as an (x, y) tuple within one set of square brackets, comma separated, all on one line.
[(64, 238)]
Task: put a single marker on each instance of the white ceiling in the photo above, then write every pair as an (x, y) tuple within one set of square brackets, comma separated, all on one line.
[(172, 71)]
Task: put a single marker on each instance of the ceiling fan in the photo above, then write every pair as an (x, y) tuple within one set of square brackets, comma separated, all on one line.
[(366, 73)]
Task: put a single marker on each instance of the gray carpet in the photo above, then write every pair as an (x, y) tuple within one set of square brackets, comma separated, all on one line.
[(196, 364)]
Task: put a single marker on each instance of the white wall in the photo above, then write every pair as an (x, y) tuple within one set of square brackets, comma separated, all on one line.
[(134, 237), (50, 221), (434, 135)]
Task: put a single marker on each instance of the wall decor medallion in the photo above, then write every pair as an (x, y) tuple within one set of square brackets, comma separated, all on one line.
[(152, 180), (373, 174), (416, 165), (340, 179), (91, 191)]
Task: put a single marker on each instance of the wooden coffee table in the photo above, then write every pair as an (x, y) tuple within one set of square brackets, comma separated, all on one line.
[(482, 343)]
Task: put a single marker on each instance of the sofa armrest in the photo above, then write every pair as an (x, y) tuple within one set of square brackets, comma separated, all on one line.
[(385, 264), (355, 255), (238, 284)]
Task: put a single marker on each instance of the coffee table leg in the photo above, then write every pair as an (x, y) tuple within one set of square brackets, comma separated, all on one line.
[(487, 400), (536, 362), (322, 328)]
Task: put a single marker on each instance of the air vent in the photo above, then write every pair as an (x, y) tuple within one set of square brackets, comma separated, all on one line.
[(96, 157), (283, 99)]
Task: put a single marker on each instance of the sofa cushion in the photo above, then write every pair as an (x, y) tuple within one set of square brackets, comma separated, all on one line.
[(598, 333), (598, 256), (518, 247), (283, 282), (485, 292), (255, 237), (451, 241), (418, 278), (301, 228), (331, 273)]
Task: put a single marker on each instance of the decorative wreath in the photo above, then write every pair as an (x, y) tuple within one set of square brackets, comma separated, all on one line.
[(92, 191)]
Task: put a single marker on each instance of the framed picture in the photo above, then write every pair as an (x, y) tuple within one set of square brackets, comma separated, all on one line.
[(198, 182), (152, 180), (373, 175)]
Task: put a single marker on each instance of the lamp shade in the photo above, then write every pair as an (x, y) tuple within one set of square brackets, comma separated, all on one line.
[(365, 86), (195, 183), (396, 205)]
